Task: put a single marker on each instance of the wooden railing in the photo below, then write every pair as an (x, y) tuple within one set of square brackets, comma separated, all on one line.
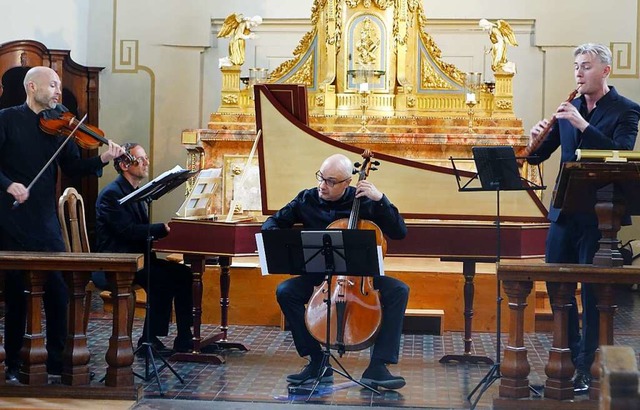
[(517, 281), (620, 378), (76, 268)]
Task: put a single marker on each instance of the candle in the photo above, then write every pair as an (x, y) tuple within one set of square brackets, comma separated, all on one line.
[(471, 97), (364, 87)]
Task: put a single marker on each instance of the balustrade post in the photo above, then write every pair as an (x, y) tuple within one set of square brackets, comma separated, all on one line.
[(33, 353), (607, 308), (76, 356), (560, 368), (120, 352), (515, 365)]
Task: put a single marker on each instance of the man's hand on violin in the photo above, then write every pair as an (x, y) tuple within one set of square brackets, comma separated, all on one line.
[(19, 192), (366, 188), (114, 151)]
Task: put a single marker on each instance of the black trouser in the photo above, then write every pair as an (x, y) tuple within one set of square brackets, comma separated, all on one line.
[(169, 284), (55, 299), (294, 293), (575, 240)]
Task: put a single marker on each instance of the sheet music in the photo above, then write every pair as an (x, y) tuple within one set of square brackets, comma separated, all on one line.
[(262, 257), (149, 186)]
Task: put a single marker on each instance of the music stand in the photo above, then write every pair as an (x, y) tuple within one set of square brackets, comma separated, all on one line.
[(350, 252), (497, 170), (155, 189)]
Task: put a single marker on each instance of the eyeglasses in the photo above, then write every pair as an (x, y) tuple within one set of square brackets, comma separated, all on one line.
[(135, 161), (330, 182)]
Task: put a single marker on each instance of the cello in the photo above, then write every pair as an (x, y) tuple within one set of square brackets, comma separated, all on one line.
[(357, 315)]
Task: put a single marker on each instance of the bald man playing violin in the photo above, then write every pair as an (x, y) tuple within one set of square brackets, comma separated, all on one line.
[(315, 209), (33, 225)]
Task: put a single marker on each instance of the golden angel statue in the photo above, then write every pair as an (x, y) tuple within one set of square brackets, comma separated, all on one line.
[(238, 28), (501, 34)]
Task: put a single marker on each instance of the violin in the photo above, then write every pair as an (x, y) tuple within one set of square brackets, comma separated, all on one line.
[(60, 121), (356, 307), (536, 142)]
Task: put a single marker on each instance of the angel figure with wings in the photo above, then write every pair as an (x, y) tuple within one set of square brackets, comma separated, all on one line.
[(238, 28), (501, 34)]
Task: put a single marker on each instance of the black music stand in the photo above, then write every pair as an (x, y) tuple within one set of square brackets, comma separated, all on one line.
[(350, 252), (497, 170), (155, 189)]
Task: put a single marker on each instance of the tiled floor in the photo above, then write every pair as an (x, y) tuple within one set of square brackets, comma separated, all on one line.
[(258, 376)]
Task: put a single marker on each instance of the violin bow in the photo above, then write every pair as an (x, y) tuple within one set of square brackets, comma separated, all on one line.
[(55, 154)]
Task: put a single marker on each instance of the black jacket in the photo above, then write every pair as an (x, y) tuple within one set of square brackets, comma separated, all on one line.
[(123, 228)]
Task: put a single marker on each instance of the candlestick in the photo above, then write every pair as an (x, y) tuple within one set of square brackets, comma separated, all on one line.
[(364, 104), (471, 113), (471, 98)]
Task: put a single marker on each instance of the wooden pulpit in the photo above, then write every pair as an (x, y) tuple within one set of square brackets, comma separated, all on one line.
[(612, 189)]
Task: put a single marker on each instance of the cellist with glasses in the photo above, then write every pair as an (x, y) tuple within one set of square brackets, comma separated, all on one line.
[(315, 209)]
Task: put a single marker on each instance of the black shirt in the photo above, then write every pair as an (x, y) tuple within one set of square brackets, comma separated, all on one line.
[(24, 150), (308, 209)]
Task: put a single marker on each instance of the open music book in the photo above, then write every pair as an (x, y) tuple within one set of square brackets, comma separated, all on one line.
[(160, 185)]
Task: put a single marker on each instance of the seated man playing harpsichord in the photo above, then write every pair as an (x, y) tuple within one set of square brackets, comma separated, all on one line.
[(124, 228)]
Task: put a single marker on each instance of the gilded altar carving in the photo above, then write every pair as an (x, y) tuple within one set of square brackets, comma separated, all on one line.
[(503, 104), (435, 53), (367, 44), (382, 4), (430, 79), (388, 36), (286, 67), (411, 101), (304, 75), (229, 99)]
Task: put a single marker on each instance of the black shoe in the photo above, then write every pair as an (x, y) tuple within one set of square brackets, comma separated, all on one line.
[(379, 376), (157, 344), (183, 345), (581, 383), (54, 368), (310, 373), (11, 374)]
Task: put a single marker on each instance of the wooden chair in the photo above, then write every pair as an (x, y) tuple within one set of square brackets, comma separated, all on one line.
[(74, 233)]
